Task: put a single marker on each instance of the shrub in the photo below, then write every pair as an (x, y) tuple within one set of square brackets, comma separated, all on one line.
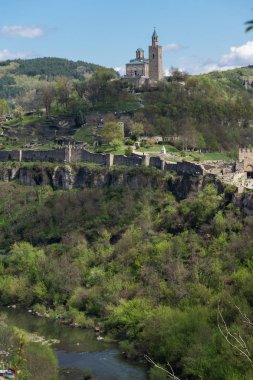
[(129, 151)]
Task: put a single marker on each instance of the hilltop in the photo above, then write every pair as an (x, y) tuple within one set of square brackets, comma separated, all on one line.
[(211, 112), (17, 76), (230, 81), (48, 66)]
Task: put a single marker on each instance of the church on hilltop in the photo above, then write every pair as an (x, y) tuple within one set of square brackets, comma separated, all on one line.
[(141, 69)]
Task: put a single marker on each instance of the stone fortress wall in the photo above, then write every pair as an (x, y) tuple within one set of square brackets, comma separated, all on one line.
[(246, 158), (71, 154), (57, 155), (245, 153)]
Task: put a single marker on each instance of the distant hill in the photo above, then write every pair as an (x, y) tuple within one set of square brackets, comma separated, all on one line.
[(49, 66), (232, 80), (18, 75)]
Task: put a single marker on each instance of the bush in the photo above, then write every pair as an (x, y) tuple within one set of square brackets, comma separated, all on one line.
[(129, 142), (157, 374), (129, 151), (41, 361), (39, 308)]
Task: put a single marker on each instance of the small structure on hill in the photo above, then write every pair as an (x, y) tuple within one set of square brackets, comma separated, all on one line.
[(163, 150)]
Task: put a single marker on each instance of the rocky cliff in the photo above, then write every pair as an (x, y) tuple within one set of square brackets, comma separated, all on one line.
[(68, 177)]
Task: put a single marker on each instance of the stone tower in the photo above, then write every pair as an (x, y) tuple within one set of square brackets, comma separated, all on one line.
[(155, 59), (140, 54)]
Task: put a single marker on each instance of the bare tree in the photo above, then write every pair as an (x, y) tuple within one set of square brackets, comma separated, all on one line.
[(234, 339), (169, 371), (47, 95)]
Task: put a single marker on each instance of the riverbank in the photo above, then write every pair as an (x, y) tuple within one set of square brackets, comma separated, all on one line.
[(77, 349)]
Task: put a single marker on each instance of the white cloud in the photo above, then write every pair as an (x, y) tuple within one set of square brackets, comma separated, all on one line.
[(120, 70), (237, 56), (172, 47), (168, 70), (6, 54), (22, 31), (207, 67)]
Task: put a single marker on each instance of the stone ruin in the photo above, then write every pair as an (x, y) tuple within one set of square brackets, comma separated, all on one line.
[(239, 173)]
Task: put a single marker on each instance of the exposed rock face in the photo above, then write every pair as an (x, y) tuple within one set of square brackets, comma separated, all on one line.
[(244, 202), (184, 185), (67, 177), (63, 178)]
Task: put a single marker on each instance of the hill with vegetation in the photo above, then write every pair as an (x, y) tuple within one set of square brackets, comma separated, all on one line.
[(48, 67), (169, 278), (17, 76), (211, 112)]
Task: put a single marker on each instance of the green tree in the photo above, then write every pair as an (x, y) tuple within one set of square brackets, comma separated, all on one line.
[(3, 106), (112, 131), (63, 91), (26, 258), (19, 112), (136, 129), (46, 95)]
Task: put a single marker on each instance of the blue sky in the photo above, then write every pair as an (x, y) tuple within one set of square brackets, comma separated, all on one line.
[(196, 35)]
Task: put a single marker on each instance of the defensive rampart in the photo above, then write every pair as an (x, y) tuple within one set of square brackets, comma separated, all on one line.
[(9, 155), (246, 156), (157, 162), (56, 155), (129, 160), (71, 154), (245, 153), (83, 155)]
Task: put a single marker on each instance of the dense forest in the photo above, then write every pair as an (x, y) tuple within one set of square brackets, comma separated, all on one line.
[(167, 278), (50, 67), (213, 110)]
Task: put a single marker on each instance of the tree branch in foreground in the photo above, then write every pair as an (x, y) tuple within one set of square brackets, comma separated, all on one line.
[(234, 339), (169, 372)]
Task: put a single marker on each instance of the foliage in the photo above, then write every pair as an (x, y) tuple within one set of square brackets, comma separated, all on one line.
[(212, 110), (41, 362), (30, 360), (3, 106), (112, 131), (51, 67), (152, 269)]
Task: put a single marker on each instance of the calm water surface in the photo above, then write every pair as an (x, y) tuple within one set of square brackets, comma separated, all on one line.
[(78, 349)]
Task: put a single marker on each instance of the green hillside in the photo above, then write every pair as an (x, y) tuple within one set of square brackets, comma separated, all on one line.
[(48, 66), (212, 112), (231, 80), (20, 75)]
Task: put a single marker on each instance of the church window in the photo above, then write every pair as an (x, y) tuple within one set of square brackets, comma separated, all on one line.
[(153, 55)]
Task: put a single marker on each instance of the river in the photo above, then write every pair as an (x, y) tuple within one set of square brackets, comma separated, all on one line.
[(78, 349)]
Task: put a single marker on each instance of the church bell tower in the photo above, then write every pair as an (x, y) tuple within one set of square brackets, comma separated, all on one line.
[(155, 59)]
